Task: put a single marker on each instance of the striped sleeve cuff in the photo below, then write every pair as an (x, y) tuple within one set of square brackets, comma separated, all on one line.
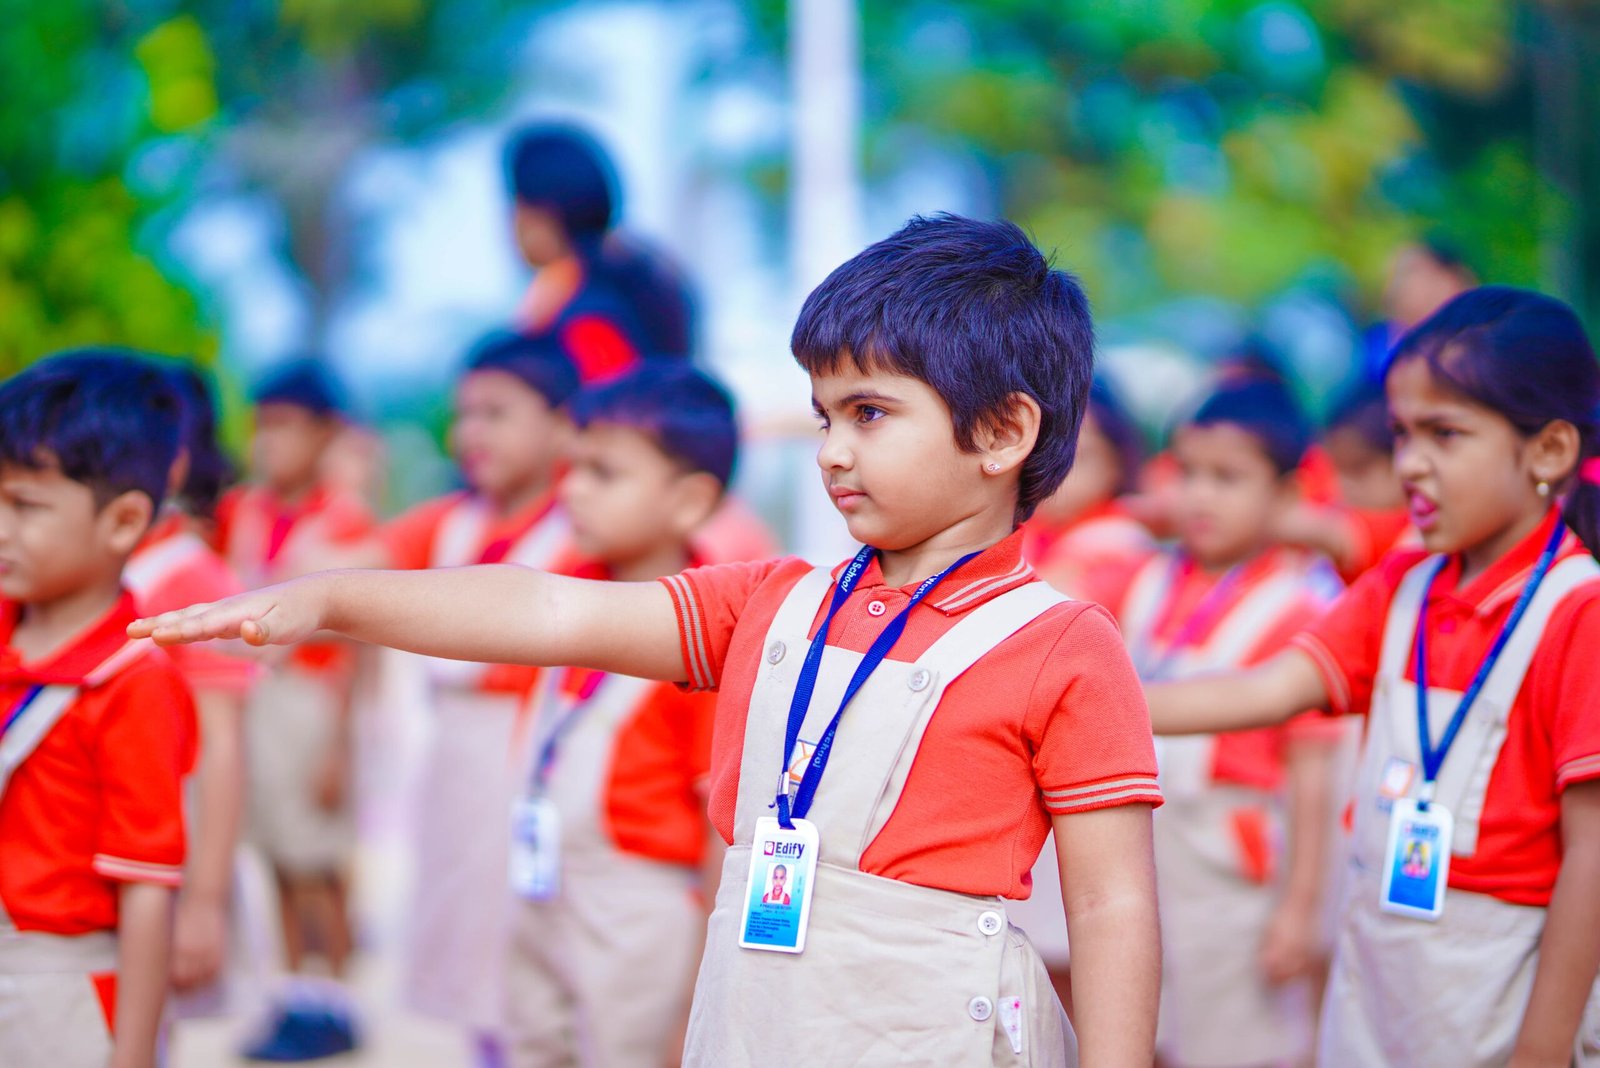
[(1128, 790), (693, 637), (122, 870), (1327, 666), (1580, 770)]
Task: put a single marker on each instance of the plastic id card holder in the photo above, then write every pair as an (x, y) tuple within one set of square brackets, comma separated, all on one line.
[(1416, 864), (535, 869), (777, 901)]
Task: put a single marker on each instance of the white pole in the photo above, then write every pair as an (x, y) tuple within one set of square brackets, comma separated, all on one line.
[(825, 218)]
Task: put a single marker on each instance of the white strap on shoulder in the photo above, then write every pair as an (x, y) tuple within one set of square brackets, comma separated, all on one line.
[(460, 532), (149, 567), (987, 626), (799, 608), (539, 546), (1249, 621), (1400, 628), (42, 714), (1501, 688), (1151, 585)]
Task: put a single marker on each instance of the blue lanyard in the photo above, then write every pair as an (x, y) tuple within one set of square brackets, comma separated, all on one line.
[(20, 708), (1203, 613), (552, 741), (1433, 758), (807, 682)]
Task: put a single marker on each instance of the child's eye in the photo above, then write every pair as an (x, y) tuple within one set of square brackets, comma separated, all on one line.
[(869, 414), (822, 421), (1445, 433)]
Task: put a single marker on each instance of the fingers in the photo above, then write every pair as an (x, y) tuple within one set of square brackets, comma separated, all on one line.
[(234, 618)]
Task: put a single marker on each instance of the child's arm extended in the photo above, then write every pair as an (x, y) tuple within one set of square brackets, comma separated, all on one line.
[(1261, 696), (1108, 886), (1569, 950), (144, 930), (497, 613)]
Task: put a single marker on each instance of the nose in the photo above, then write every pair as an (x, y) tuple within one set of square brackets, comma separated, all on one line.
[(834, 454), (1409, 462)]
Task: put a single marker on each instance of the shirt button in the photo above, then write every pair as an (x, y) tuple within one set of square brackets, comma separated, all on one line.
[(980, 1009), (991, 923), (876, 608), (775, 653), (919, 680)]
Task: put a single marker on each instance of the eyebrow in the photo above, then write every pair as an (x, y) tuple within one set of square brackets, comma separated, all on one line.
[(858, 397)]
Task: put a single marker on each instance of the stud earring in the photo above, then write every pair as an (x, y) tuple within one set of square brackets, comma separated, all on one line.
[(993, 467), (1542, 488)]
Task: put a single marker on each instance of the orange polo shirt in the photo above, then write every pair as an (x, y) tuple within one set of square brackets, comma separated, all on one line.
[(100, 801), (172, 569), (1552, 733), (1190, 616), (1093, 557), (1052, 721)]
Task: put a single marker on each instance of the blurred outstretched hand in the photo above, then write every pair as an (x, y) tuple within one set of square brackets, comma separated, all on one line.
[(276, 615)]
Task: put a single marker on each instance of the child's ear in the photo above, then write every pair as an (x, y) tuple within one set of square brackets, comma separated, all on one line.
[(696, 500), (1007, 442), (124, 521), (1552, 453)]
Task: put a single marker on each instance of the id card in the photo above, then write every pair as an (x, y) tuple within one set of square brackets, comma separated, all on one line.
[(535, 869), (1416, 864), (777, 901)]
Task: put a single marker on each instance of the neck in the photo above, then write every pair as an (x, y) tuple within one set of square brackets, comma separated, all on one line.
[(293, 494), (902, 567), (515, 499), (46, 626), (667, 560), (1477, 559)]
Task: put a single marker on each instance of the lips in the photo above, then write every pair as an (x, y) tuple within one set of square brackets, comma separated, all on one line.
[(1424, 512), (846, 497)]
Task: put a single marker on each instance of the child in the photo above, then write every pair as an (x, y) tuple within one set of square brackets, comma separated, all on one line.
[(1080, 540), (1369, 517), (949, 368), (1240, 923), (509, 435), (97, 731), (1488, 642), (173, 567), (622, 762), (298, 721)]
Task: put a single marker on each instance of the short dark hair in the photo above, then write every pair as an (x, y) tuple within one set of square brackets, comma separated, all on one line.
[(1117, 426), (1364, 412), (106, 418), (974, 310), (563, 169), (538, 361), (1265, 410), (304, 382), (688, 416), (210, 470)]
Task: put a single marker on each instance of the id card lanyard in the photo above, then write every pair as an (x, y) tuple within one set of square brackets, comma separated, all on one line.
[(535, 859), (784, 850), (801, 701), (1416, 869), (1152, 663), (20, 708)]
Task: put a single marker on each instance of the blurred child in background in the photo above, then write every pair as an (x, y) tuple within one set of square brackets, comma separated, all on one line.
[(287, 522), (621, 763), (602, 297), (1242, 843), (1369, 516), (1473, 661), (172, 567), (96, 732), (509, 437)]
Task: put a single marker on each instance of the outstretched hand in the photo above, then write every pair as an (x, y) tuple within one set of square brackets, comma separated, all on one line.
[(276, 615)]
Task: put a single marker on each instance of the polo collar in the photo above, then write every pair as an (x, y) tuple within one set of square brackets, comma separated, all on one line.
[(1503, 580), (74, 663), (996, 570)]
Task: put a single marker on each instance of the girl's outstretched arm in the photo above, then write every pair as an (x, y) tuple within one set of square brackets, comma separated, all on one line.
[(1569, 950), (1261, 696), (496, 613)]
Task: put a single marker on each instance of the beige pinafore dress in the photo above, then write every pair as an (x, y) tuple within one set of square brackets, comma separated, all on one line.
[(892, 973), (601, 974), (1408, 993), (470, 774), (1217, 1008), (50, 1012)]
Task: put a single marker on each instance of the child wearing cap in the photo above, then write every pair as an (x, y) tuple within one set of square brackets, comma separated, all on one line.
[(619, 764), (298, 737), (96, 731), (949, 369), (509, 435)]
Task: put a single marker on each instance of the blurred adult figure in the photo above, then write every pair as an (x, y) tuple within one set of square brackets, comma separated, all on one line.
[(1423, 276)]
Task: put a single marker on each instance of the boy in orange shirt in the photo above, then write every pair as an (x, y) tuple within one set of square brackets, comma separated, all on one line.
[(1242, 915), (949, 369), (96, 732), (298, 731), (622, 762)]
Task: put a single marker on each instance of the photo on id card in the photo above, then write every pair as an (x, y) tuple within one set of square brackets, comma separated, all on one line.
[(1417, 861), (777, 906)]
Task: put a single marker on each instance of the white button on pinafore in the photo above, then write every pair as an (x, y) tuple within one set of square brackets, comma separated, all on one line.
[(919, 680), (775, 653), (876, 608), (991, 923), (980, 1008)]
